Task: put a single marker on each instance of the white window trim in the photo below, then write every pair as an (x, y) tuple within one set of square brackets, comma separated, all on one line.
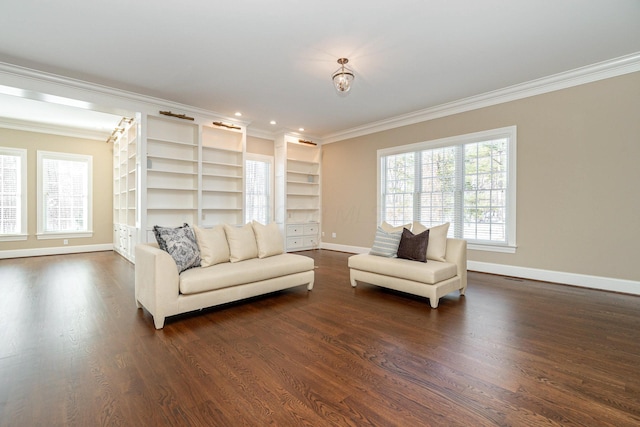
[(41, 234), (266, 159), (510, 132), (22, 234)]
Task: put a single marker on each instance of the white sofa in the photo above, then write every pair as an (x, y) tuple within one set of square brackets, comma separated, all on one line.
[(432, 279), (163, 291)]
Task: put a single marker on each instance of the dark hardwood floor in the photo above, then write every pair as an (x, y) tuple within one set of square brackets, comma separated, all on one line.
[(74, 350)]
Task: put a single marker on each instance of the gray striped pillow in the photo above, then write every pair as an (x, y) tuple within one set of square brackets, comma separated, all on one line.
[(385, 244)]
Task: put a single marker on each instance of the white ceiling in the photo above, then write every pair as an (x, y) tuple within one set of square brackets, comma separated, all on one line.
[(272, 60)]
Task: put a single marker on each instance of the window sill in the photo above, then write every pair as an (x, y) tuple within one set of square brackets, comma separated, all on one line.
[(505, 249), (66, 235), (13, 237)]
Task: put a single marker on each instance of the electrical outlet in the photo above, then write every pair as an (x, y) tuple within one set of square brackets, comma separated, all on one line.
[(323, 234), (333, 235), (65, 242)]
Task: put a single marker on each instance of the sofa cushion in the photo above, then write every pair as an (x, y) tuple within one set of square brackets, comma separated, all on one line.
[(252, 270), (413, 246), (385, 244), (268, 239), (213, 245), (437, 248), (242, 242), (180, 243), (429, 273)]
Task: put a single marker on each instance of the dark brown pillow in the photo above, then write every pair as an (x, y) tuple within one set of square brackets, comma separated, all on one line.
[(413, 246)]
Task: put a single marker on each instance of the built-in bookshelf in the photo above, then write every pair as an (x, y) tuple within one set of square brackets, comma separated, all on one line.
[(125, 200), (298, 204), (222, 177), (171, 184)]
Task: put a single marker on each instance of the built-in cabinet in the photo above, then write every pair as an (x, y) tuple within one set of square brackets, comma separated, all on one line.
[(298, 204), (192, 173), (222, 176), (170, 180), (169, 171), (125, 185)]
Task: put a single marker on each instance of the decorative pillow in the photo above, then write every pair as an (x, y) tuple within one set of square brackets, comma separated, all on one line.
[(414, 246), (437, 248), (242, 242), (268, 239), (391, 229), (213, 245), (385, 244), (180, 243)]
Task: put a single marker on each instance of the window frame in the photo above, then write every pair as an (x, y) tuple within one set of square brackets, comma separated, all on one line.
[(510, 133), (21, 153), (265, 159), (41, 217)]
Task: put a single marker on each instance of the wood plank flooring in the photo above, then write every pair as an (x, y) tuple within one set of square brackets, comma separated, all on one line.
[(75, 351)]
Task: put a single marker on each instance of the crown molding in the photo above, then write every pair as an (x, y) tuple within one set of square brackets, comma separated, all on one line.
[(29, 126), (33, 82), (579, 76)]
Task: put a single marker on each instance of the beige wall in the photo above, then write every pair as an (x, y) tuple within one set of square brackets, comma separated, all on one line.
[(578, 178), (102, 184)]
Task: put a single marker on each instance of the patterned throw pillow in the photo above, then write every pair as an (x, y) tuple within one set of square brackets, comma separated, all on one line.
[(180, 243), (385, 244)]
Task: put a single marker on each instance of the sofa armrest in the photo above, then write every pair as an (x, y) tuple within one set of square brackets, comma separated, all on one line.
[(457, 254), (156, 282)]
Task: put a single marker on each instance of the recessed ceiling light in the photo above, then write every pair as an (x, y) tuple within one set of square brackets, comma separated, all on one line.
[(301, 129), (238, 114), (273, 122)]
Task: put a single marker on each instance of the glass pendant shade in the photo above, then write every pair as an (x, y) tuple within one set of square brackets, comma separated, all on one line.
[(343, 77)]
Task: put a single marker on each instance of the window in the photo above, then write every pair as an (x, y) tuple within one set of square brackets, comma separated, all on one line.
[(467, 180), (258, 188), (64, 195), (13, 200)]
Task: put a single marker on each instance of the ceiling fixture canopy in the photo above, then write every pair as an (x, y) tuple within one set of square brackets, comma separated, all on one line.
[(343, 77)]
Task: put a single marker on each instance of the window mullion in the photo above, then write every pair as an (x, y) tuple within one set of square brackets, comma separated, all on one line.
[(417, 185), (458, 211)]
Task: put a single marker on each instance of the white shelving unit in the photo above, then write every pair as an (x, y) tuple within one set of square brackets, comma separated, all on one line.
[(222, 176), (171, 173), (192, 172), (298, 204), (125, 200)]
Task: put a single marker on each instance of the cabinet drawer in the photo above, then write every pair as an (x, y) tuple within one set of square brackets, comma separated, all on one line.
[(310, 229), (310, 242), (295, 242), (295, 230)]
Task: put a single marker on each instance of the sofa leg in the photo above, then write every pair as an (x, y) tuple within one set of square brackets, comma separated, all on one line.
[(434, 302), (310, 285), (158, 322), (138, 305), (462, 291)]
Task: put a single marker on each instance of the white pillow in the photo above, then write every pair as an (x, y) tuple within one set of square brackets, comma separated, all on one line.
[(268, 239), (242, 242), (213, 245), (437, 248), (391, 229)]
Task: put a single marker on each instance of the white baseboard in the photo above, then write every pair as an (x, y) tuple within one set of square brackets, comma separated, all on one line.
[(581, 280), (344, 248), (58, 250)]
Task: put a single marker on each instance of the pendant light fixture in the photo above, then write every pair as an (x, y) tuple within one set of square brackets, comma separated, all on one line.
[(343, 77)]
